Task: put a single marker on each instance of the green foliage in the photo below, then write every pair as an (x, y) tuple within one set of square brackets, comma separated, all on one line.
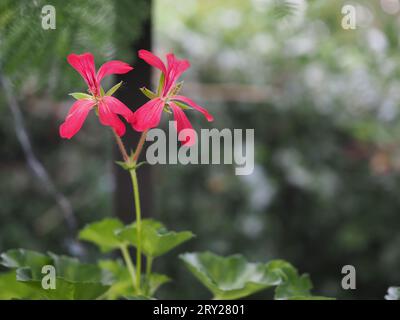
[(326, 119), (294, 284), (226, 277), (231, 277), (122, 283), (74, 280), (156, 239), (93, 26), (12, 289), (102, 234)]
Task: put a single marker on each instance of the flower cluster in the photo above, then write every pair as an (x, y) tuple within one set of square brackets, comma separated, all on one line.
[(109, 108)]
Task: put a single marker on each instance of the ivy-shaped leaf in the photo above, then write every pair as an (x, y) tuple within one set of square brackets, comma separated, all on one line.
[(231, 277), (156, 240), (118, 276), (73, 280), (102, 234), (22, 258), (10, 288), (121, 283), (294, 286)]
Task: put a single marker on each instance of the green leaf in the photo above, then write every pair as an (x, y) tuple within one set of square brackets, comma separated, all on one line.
[(71, 269), (22, 258), (121, 282), (155, 239), (310, 298), (80, 95), (141, 297), (148, 93), (393, 293), (156, 281), (102, 91), (113, 89), (10, 288), (231, 277), (102, 234), (74, 280), (68, 290), (118, 276), (294, 286)]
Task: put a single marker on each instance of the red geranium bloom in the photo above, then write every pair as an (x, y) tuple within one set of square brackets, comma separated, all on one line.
[(108, 107), (149, 115)]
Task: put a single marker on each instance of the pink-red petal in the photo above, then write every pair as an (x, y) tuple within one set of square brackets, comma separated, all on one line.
[(174, 70), (75, 118), (84, 64), (152, 60), (109, 118), (148, 116), (182, 123), (116, 106), (112, 67), (194, 105)]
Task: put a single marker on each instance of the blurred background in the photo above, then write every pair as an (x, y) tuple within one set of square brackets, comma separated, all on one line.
[(324, 103)]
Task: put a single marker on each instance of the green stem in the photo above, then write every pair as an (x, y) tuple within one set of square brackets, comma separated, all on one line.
[(129, 264), (149, 262), (136, 197)]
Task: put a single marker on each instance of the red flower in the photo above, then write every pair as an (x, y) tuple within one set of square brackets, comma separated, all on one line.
[(108, 107), (149, 115)]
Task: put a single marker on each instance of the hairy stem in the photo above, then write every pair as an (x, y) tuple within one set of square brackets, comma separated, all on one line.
[(121, 147), (139, 147)]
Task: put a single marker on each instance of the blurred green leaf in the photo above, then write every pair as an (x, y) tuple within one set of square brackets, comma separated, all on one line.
[(71, 269), (10, 288), (118, 277), (310, 298), (156, 281), (155, 238), (22, 258), (293, 284), (121, 283), (231, 277), (74, 280), (68, 290), (102, 234)]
